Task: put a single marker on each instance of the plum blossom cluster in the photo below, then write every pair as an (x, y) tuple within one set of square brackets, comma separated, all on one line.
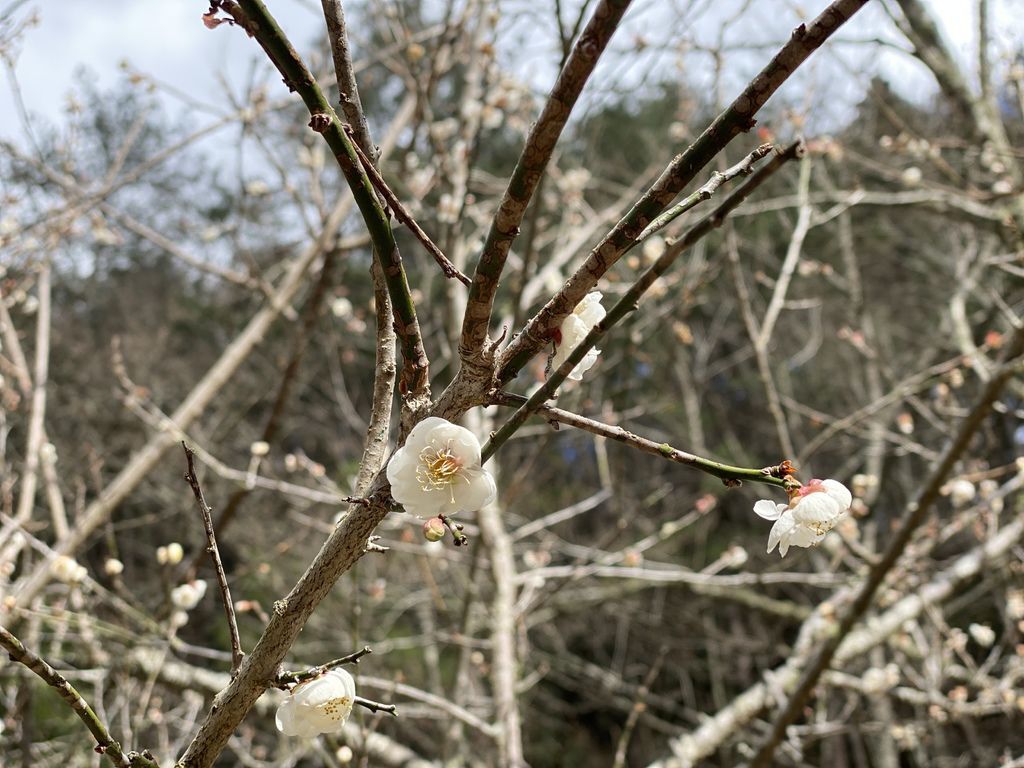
[(438, 472), (320, 705), (813, 510), (574, 330)]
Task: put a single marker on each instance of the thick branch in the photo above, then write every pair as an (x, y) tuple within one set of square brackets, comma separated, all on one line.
[(540, 144), (255, 18), (736, 119), (629, 301)]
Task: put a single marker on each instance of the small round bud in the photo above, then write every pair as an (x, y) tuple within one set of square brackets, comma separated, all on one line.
[(259, 448), (433, 529), (113, 567)]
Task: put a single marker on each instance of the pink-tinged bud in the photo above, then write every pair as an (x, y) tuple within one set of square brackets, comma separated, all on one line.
[(433, 529)]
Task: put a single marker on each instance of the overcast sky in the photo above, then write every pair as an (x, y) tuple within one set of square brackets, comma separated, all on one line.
[(166, 39)]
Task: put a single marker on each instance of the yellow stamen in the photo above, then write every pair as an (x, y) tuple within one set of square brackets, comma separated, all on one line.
[(438, 468)]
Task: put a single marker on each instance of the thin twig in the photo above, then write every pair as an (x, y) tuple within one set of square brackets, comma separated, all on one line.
[(724, 472), (105, 744), (291, 678), (737, 118), (639, 705), (376, 706), (255, 18), (916, 513), (218, 566), (629, 301), (403, 215)]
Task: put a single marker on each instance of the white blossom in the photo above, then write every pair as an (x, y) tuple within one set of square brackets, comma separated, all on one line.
[(983, 634), (321, 705), (438, 471), (574, 329), (113, 567), (187, 596), (67, 570), (259, 448), (813, 511)]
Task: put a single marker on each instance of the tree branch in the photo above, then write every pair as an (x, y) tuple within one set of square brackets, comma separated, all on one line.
[(629, 301), (256, 19), (533, 160), (736, 119), (767, 475), (105, 743), (218, 566)]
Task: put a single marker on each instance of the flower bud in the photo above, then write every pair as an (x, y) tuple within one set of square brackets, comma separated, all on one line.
[(433, 529)]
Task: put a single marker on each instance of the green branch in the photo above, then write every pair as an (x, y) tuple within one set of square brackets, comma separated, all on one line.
[(105, 744), (630, 300), (737, 118), (254, 17)]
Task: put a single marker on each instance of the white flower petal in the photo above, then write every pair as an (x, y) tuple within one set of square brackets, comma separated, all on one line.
[(816, 509), (464, 442), (438, 470), (477, 493), (780, 532), (321, 705), (839, 492), (590, 310), (768, 509)]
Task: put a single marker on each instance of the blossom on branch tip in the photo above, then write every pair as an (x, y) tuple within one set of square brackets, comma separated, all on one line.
[(321, 705), (813, 511), (574, 330), (438, 472)]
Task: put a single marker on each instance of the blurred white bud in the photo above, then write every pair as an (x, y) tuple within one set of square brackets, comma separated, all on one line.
[(1002, 187), (443, 130), (341, 307), (877, 680), (912, 176), (259, 448), (344, 754), (178, 619), (736, 556), (30, 306), (960, 491), (257, 188), (653, 247), (448, 209), (187, 596), (677, 131), (171, 554), (48, 453), (67, 570), (1015, 604), (983, 634), (291, 462), (113, 567), (861, 484)]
